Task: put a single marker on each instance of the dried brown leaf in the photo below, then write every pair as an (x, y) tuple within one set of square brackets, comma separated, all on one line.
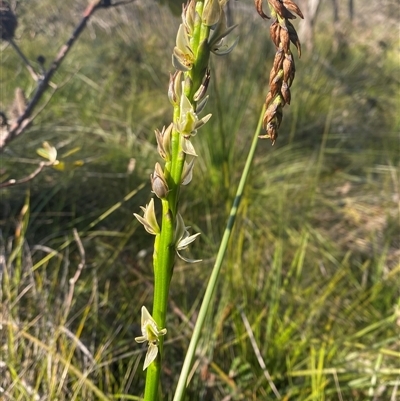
[(293, 7), (258, 4)]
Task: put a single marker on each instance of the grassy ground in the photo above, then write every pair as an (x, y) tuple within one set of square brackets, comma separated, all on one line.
[(311, 277)]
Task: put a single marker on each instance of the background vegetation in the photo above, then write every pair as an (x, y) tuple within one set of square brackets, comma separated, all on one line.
[(314, 260)]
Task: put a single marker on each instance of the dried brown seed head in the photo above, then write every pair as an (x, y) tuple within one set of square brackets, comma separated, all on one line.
[(293, 37), (283, 70), (279, 56), (293, 7), (285, 92), (281, 10), (258, 4), (284, 39), (288, 67), (274, 32)]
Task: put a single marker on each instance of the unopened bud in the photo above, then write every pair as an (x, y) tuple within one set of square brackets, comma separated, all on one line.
[(211, 12), (164, 142), (174, 88), (189, 15), (158, 182)]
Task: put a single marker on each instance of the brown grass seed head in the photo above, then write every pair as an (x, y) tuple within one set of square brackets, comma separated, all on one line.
[(282, 33)]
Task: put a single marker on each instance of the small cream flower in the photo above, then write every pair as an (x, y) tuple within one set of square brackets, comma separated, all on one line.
[(149, 220), (151, 334), (183, 239)]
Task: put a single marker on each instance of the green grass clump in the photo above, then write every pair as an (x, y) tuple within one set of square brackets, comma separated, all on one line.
[(313, 263)]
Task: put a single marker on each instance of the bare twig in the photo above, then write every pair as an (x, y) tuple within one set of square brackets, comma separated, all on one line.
[(74, 279), (81, 249), (121, 3), (29, 177), (18, 127), (78, 343)]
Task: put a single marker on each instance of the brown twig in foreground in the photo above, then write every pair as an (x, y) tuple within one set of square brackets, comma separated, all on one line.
[(19, 126), (29, 177), (258, 354), (74, 279)]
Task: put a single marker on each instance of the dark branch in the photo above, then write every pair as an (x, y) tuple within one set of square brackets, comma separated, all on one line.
[(25, 119), (29, 177)]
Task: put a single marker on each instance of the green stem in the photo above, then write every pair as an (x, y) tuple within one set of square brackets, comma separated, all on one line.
[(163, 259), (202, 52), (181, 387), (164, 247)]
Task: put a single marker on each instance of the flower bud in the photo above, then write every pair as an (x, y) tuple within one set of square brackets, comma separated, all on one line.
[(189, 15), (174, 88), (164, 142), (182, 39), (48, 152), (211, 12), (158, 182)]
